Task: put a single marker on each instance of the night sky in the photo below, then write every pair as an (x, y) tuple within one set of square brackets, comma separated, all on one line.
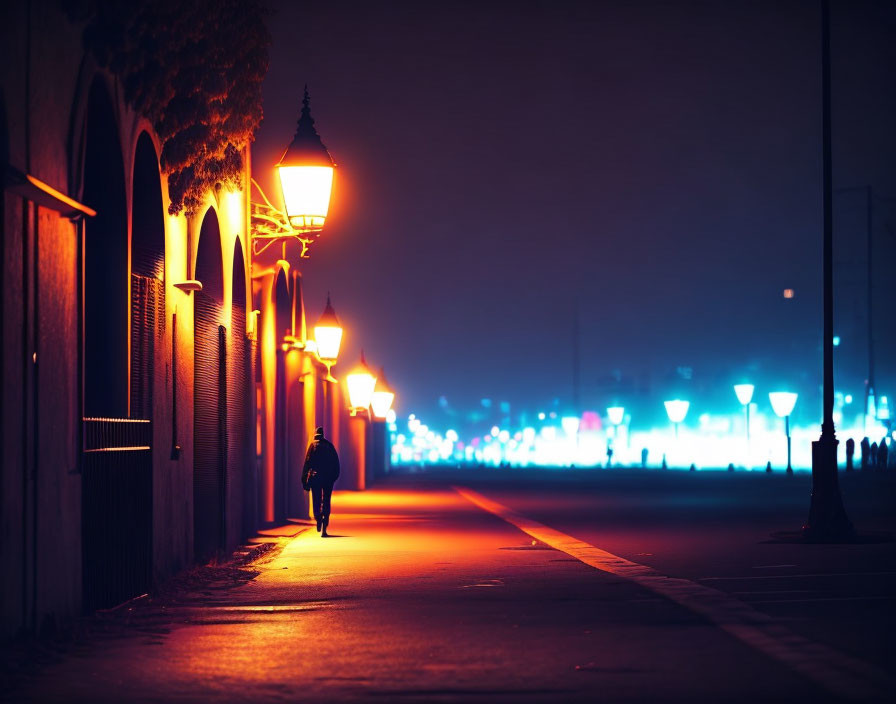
[(657, 165)]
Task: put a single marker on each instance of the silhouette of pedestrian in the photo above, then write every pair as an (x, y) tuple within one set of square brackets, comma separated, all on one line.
[(850, 451), (866, 450), (872, 456), (320, 472), (643, 457), (882, 452)]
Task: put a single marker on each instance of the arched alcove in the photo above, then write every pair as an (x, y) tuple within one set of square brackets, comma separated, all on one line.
[(105, 263), (240, 398), (283, 304), (147, 273), (116, 469), (209, 264), (147, 214), (209, 395)]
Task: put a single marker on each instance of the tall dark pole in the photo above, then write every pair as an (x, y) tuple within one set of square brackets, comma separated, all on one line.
[(827, 518), (869, 383), (575, 361)]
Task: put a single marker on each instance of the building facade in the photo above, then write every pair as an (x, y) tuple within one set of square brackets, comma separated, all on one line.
[(158, 392)]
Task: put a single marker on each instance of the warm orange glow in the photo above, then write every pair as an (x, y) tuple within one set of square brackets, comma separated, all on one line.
[(381, 403), (361, 383), (306, 194), (382, 398), (328, 334), (327, 341)]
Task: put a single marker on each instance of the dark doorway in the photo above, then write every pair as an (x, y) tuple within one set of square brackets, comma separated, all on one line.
[(241, 462), (105, 264), (209, 397), (147, 274), (116, 497)]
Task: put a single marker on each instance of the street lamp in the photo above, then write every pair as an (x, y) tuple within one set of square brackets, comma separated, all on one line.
[(616, 414), (305, 175), (744, 393), (328, 337), (361, 383), (677, 410), (782, 404), (382, 398)]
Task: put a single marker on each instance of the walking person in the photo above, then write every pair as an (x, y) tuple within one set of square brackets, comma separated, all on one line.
[(320, 472)]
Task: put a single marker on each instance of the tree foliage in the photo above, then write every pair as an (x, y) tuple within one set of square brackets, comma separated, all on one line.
[(195, 70)]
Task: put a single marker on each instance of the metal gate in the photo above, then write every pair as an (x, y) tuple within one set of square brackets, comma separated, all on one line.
[(116, 510), (209, 428)]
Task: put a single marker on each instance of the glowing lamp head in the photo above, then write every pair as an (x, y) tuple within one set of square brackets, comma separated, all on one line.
[(306, 175), (383, 396), (361, 383), (570, 424), (677, 410), (328, 334), (616, 414), (782, 402), (744, 393)]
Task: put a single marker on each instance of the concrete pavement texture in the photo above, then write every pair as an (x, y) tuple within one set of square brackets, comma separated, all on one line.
[(467, 586)]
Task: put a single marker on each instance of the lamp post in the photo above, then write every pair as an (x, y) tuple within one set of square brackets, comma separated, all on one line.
[(382, 398), (827, 520), (676, 410), (305, 175), (328, 337), (616, 414), (361, 383), (381, 404), (782, 404), (744, 393)]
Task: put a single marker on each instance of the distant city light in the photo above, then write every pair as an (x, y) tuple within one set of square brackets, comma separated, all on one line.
[(570, 424), (848, 398), (788, 293), (836, 340)]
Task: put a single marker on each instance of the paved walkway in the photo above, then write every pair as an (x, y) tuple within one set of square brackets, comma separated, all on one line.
[(423, 596)]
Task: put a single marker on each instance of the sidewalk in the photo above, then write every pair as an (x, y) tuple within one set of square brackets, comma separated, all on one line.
[(420, 596)]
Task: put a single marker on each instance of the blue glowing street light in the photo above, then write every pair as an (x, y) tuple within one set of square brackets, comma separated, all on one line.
[(782, 404), (677, 410), (744, 394)]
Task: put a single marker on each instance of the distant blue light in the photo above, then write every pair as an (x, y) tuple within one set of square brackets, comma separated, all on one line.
[(836, 340)]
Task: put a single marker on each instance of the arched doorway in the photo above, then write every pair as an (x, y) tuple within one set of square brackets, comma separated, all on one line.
[(147, 275), (105, 264), (242, 473), (209, 396), (116, 496)]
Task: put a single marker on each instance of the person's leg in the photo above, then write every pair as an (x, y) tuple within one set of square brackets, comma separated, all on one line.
[(316, 501), (325, 506)]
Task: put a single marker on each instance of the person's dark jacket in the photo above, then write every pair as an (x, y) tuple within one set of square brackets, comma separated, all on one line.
[(321, 464)]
